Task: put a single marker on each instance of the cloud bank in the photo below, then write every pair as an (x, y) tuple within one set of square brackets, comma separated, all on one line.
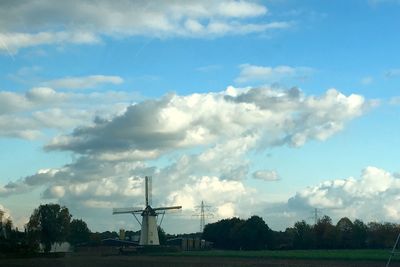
[(28, 115), (195, 146), (264, 116), (86, 22), (373, 196)]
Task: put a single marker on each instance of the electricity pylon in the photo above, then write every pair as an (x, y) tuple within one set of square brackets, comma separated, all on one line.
[(316, 214), (203, 212)]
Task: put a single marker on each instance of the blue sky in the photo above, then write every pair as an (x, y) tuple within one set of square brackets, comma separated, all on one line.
[(256, 107)]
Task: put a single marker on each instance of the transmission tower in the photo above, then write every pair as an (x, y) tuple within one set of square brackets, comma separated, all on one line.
[(203, 211), (316, 214)]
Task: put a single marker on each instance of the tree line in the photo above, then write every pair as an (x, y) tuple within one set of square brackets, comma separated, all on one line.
[(254, 234), (48, 224), (52, 223)]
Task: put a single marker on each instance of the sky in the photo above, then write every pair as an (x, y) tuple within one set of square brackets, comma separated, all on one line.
[(271, 108)]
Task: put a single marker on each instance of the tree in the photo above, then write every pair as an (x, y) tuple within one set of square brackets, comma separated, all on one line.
[(254, 234), (78, 232), (222, 233), (8, 228), (325, 233), (236, 233), (360, 233), (303, 235), (108, 234), (95, 239), (162, 235), (49, 224), (2, 226), (282, 240), (382, 235), (344, 230)]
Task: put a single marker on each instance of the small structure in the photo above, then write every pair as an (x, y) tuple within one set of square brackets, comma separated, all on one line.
[(58, 247), (189, 243), (149, 231)]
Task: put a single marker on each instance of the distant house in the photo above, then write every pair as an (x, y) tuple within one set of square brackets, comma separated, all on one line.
[(118, 242), (189, 243)]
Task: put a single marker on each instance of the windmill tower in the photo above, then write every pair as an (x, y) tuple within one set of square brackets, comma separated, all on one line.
[(148, 232)]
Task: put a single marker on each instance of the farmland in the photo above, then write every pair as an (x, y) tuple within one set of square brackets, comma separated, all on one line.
[(333, 258), (345, 255)]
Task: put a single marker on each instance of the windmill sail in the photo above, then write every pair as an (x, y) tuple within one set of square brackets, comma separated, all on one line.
[(150, 189), (168, 208), (146, 190), (127, 210)]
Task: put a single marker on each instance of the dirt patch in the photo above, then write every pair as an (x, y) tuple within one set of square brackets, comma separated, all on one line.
[(170, 261)]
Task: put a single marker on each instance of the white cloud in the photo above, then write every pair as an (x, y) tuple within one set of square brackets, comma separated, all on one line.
[(83, 82), (214, 29), (57, 191), (266, 74), (266, 175), (12, 102), (13, 41), (174, 122), (373, 196), (226, 210), (240, 9), (62, 119), (84, 22), (5, 214), (44, 95), (19, 127), (212, 189), (99, 204), (27, 115), (195, 147)]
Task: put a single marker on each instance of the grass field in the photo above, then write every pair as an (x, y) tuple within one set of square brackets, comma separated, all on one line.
[(346, 255), (215, 258)]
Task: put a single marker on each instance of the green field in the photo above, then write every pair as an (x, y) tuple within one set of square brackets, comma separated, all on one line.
[(356, 255)]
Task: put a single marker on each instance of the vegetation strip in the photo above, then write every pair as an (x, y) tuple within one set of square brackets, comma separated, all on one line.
[(346, 255)]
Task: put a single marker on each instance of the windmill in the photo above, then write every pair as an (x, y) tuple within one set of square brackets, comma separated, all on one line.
[(148, 232)]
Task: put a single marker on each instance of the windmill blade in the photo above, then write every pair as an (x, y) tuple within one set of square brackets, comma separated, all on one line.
[(170, 211), (168, 208), (148, 190), (127, 210), (150, 185)]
